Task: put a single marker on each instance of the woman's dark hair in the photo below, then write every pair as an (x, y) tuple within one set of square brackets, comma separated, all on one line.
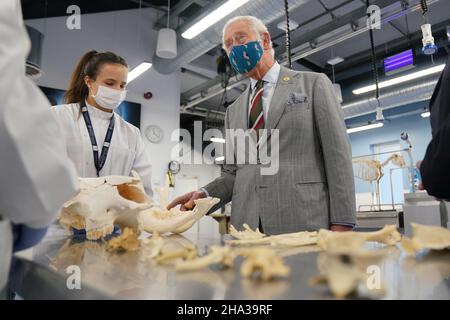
[(89, 65)]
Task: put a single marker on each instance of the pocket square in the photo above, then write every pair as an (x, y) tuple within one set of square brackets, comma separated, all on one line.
[(297, 97)]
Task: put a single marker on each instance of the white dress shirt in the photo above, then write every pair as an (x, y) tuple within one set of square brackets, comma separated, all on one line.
[(126, 152), (270, 81)]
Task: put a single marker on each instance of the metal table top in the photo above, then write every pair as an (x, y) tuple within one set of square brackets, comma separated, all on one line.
[(128, 275)]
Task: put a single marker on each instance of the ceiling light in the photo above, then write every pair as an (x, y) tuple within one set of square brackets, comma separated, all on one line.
[(166, 47), (140, 69), (401, 79), (292, 25), (335, 60), (365, 127), (212, 18)]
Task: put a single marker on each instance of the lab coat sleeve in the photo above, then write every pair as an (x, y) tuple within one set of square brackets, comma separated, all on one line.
[(36, 177), (142, 165)]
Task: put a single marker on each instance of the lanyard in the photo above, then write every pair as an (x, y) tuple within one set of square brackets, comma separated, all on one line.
[(87, 119)]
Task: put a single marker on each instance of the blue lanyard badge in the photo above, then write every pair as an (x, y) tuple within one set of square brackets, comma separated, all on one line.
[(99, 163)]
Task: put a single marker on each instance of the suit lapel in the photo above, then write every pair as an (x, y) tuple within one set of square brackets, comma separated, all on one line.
[(284, 86)]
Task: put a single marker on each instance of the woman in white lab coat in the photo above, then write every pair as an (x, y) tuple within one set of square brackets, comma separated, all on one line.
[(98, 141)]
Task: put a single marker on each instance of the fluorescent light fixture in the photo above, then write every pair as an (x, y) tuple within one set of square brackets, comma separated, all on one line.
[(401, 79), (212, 18), (140, 69), (398, 61), (335, 60), (292, 25), (425, 114), (219, 140), (220, 158), (365, 127)]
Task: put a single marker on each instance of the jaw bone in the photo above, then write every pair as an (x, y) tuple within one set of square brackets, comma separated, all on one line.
[(159, 221)]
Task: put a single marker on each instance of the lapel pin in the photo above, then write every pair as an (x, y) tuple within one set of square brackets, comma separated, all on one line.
[(286, 79)]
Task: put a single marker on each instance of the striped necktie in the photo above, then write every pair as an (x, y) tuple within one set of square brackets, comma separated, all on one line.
[(256, 113)]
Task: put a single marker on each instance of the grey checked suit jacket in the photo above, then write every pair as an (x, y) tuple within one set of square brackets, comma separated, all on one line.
[(314, 186)]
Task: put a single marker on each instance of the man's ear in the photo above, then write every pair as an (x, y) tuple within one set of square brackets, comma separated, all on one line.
[(266, 41)]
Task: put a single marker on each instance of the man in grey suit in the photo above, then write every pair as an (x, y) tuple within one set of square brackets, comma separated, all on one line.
[(313, 187)]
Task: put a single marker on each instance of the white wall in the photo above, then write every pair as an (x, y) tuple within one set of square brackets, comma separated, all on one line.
[(130, 34)]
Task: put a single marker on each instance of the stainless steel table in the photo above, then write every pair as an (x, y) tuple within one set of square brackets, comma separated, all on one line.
[(128, 275)]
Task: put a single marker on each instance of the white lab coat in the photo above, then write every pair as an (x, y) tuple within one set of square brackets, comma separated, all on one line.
[(126, 152), (36, 176)]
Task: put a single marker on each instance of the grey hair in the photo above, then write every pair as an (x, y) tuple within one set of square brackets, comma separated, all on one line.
[(255, 24)]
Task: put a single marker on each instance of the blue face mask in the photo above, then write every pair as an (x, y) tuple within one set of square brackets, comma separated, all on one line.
[(245, 57)]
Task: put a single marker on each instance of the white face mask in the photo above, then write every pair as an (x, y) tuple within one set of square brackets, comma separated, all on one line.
[(109, 98)]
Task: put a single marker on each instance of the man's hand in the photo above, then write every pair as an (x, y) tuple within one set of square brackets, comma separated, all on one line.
[(340, 228), (187, 200)]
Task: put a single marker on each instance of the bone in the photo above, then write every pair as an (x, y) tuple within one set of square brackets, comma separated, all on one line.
[(187, 253), (217, 255), (250, 237), (426, 237), (247, 234), (128, 241), (350, 240), (262, 263), (344, 272), (161, 221)]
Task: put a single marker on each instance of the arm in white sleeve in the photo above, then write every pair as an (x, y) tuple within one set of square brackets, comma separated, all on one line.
[(36, 175)]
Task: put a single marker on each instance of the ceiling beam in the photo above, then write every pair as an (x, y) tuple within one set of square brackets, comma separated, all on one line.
[(310, 65), (174, 13), (333, 25), (342, 70), (337, 23)]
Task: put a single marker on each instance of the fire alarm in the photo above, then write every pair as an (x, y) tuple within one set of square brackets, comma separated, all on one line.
[(148, 95)]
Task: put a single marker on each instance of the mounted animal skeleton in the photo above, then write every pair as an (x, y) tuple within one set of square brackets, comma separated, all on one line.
[(372, 170)]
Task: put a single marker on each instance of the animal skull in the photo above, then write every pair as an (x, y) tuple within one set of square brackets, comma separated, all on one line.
[(102, 202)]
